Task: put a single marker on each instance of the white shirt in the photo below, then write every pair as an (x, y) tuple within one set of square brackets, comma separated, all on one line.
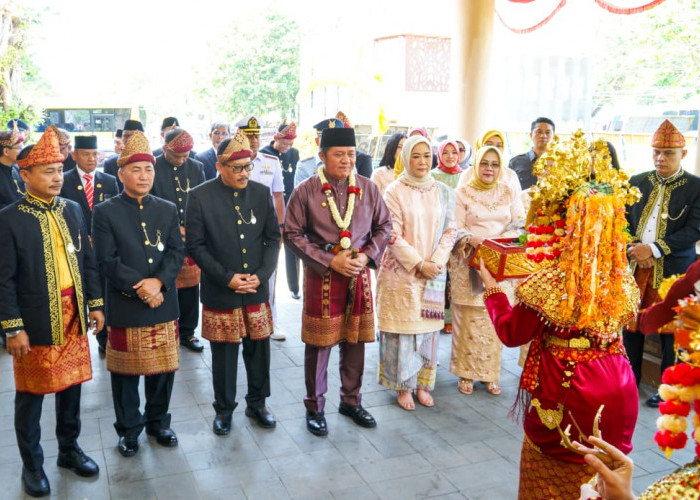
[(649, 236), (267, 170), (82, 175)]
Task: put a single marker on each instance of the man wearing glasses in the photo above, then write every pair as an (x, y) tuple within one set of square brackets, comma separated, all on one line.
[(10, 146), (176, 174), (233, 235), (219, 131)]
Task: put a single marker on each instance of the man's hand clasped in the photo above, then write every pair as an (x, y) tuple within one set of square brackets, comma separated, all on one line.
[(244, 283), (343, 263)]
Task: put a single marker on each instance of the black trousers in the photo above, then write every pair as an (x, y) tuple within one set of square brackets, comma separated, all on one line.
[(28, 428), (291, 264), (188, 300), (125, 394), (224, 367), (634, 345)]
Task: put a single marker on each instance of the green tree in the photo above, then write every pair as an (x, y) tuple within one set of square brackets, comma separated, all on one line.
[(653, 57), (258, 73), (16, 22)]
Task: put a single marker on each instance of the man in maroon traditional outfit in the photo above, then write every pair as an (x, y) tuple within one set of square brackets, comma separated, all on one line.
[(338, 225)]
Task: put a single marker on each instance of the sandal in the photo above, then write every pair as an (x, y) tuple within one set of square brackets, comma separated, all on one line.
[(493, 388), (405, 400), (447, 330), (425, 398), (465, 386)]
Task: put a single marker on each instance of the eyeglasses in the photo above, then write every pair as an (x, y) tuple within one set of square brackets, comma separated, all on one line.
[(220, 134), (237, 169), (492, 166)]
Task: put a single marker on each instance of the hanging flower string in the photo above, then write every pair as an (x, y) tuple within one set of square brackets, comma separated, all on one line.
[(344, 222)]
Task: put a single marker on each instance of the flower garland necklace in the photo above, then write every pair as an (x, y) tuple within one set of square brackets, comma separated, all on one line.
[(342, 223)]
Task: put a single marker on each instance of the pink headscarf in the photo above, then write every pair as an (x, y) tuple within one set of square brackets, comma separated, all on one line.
[(448, 170)]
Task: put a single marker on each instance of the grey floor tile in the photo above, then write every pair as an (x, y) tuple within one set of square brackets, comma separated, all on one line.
[(415, 486)]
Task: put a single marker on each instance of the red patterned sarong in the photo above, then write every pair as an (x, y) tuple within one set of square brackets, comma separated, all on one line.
[(323, 320), (189, 274), (647, 293), (543, 476), (253, 321), (146, 350), (53, 368)]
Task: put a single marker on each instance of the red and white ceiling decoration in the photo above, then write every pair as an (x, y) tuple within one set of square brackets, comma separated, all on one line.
[(525, 16)]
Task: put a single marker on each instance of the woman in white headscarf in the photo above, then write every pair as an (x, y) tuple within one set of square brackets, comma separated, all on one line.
[(411, 278)]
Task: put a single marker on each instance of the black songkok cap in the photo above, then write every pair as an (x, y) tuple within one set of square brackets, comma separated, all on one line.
[(169, 121), (119, 133), (133, 125), (85, 142), (341, 137)]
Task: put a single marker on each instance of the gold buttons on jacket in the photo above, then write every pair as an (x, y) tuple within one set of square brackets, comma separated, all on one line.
[(150, 261), (235, 195), (243, 235), (244, 250), (245, 266)]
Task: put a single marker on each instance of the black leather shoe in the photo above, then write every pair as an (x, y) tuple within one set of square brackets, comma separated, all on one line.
[(192, 343), (653, 402), (262, 415), (296, 296), (222, 424), (36, 484), (164, 437), (128, 447), (77, 461), (316, 423), (358, 414)]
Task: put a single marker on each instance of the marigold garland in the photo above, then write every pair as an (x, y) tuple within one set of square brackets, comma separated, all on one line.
[(342, 222)]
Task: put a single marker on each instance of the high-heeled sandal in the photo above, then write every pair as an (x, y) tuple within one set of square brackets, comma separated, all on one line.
[(493, 388), (465, 386)]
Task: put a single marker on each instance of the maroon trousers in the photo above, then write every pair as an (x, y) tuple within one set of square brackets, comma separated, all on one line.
[(352, 366)]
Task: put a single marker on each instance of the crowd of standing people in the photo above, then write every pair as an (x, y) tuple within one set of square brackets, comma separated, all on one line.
[(136, 251)]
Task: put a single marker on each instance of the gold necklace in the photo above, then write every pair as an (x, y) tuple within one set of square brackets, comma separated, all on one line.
[(342, 223), (180, 186), (71, 248), (158, 244)]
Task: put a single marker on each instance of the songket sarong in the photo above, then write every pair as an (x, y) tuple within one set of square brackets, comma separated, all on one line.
[(476, 349), (231, 325), (52, 368), (146, 350), (324, 322), (543, 476), (189, 274), (647, 293), (408, 361)]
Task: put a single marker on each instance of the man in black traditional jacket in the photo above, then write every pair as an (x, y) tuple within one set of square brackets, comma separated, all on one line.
[(233, 235), (139, 251), (665, 225), (176, 174), (48, 278)]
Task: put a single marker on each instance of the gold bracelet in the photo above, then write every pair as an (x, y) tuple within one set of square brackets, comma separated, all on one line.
[(491, 291)]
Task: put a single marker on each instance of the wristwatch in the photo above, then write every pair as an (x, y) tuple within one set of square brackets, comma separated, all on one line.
[(11, 335)]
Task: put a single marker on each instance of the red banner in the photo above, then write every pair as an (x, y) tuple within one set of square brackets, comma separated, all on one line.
[(610, 7), (535, 26)]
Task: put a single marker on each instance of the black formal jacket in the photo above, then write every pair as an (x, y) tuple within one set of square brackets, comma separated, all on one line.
[(10, 189), (174, 183), (30, 295), (288, 163), (104, 187), (68, 163), (222, 244), (522, 166), (126, 236), (678, 227), (208, 160), (109, 166)]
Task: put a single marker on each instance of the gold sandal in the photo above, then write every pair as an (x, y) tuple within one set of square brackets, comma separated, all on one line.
[(465, 386), (493, 388)]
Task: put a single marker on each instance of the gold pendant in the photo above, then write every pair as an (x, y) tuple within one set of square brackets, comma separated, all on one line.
[(160, 247), (345, 242), (253, 220), (70, 248)]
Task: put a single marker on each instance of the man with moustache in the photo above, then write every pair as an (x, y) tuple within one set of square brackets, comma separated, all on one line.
[(176, 174), (48, 278), (233, 235), (338, 306), (139, 251), (266, 170), (87, 186), (665, 225), (220, 131)]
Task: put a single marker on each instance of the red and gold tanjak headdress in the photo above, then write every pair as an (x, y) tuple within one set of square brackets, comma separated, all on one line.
[(12, 138), (235, 148), (667, 136), (181, 143), (46, 151), (344, 118), (288, 132), (136, 149)]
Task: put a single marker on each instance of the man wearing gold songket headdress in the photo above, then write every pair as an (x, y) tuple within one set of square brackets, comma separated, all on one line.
[(665, 225), (572, 312)]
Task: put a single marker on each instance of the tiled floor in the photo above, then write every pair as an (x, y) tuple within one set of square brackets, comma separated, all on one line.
[(464, 447)]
